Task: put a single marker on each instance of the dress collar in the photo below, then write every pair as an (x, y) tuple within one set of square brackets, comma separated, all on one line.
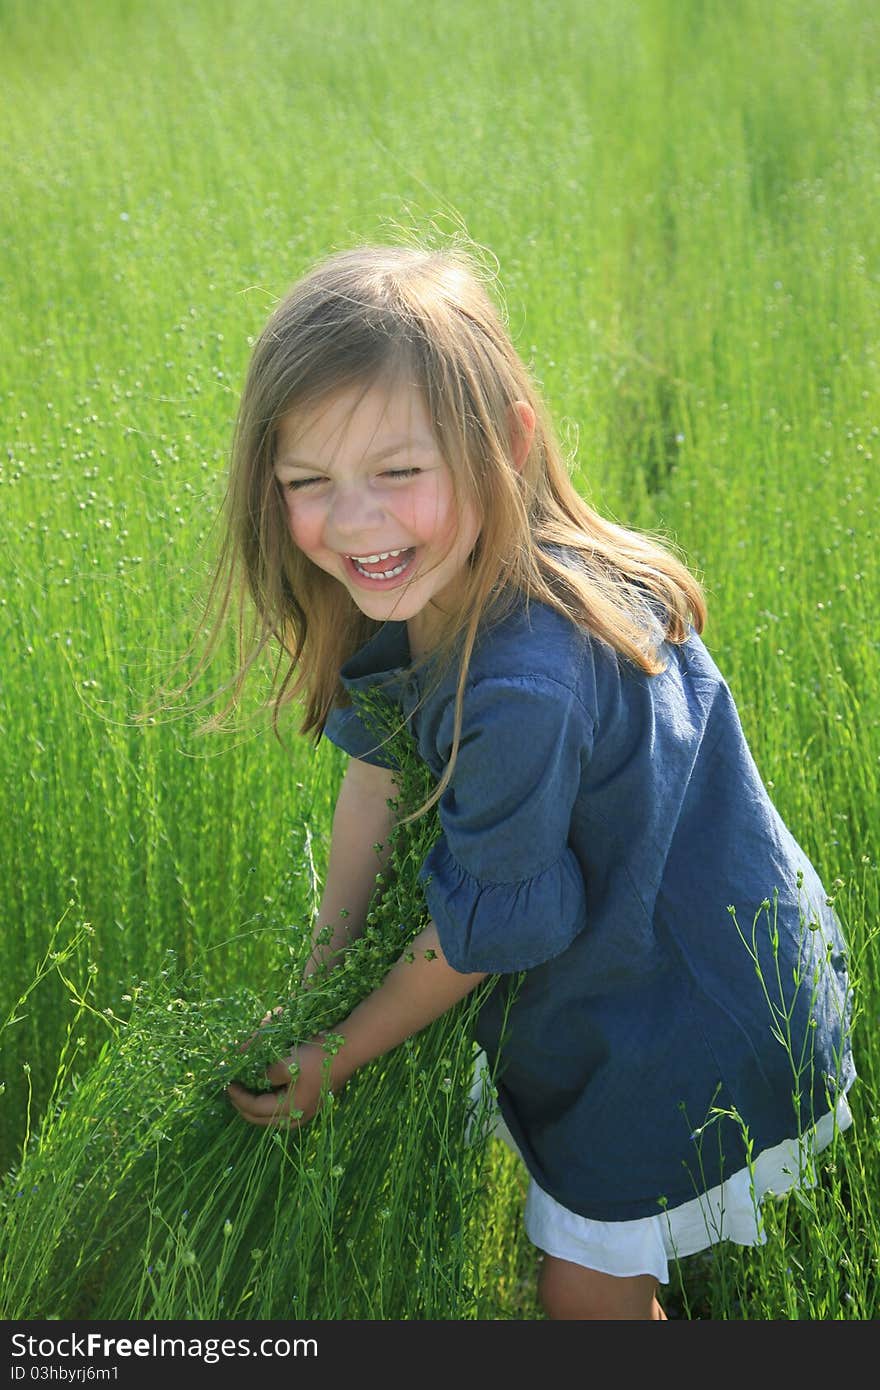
[(383, 659)]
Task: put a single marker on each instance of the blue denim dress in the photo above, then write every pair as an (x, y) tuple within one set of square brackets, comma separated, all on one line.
[(672, 992)]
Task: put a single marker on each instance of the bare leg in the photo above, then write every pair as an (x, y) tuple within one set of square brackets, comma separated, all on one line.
[(570, 1291)]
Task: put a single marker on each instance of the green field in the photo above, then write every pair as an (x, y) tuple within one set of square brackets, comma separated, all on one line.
[(682, 203)]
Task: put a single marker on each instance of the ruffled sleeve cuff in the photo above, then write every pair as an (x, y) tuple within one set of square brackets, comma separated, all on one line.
[(346, 729), (503, 927)]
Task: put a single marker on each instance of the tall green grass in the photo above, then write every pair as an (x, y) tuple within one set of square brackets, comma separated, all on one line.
[(142, 1194), (683, 203)]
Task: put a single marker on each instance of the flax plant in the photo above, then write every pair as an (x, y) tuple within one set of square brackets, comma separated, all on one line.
[(143, 1195)]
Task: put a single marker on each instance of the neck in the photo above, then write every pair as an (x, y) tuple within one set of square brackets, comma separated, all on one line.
[(418, 631)]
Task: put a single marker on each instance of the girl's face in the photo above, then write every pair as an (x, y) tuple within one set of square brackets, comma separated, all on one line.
[(370, 499)]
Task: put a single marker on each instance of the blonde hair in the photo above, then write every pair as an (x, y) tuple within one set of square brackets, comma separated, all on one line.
[(393, 312)]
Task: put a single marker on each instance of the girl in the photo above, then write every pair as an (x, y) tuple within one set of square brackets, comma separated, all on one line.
[(679, 1042)]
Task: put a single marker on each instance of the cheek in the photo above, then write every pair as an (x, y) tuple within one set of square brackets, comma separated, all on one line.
[(304, 527), (431, 516)]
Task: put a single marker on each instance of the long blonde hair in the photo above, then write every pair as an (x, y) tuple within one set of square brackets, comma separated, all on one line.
[(379, 312)]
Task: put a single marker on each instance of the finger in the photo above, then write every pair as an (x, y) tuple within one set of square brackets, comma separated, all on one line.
[(281, 1073), (262, 1108), (267, 1018)]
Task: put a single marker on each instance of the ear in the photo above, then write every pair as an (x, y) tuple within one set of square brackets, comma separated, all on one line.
[(521, 429)]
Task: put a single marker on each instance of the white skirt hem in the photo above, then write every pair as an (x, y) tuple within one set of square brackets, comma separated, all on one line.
[(731, 1211)]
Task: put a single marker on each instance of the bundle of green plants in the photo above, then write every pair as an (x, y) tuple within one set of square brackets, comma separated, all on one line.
[(142, 1193)]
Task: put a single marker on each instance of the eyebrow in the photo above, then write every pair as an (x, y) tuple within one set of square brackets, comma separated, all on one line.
[(420, 443)]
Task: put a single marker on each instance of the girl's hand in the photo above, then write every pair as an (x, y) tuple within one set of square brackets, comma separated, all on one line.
[(298, 1082)]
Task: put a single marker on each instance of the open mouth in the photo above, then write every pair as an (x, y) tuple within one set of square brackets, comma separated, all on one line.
[(385, 565)]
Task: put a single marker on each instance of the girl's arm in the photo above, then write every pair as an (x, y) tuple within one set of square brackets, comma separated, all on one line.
[(417, 990), (362, 818)]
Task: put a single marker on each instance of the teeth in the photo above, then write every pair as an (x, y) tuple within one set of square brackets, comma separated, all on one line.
[(374, 559), (360, 562)]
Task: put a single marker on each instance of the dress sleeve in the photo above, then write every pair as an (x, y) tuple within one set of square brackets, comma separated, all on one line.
[(502, 884), (347, 729)]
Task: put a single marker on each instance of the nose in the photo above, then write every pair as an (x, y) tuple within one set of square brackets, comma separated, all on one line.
[(353, 512)]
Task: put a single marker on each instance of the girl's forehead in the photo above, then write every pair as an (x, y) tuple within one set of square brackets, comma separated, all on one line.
[(366, 416)]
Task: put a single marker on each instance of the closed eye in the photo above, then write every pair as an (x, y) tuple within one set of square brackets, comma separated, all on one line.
[(401, 472), (296, 484)]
